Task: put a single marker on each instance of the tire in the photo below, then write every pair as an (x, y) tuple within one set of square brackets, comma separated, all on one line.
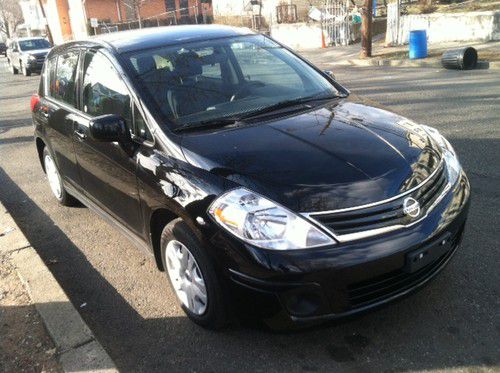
[(62, 196), (214, 316), (13, 70), (24, 69)]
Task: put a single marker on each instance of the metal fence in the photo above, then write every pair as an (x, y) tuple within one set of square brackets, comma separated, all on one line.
[(182, 16), (286, 13)]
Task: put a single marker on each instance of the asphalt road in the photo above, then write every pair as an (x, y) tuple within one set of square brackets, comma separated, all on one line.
[(453, 323)]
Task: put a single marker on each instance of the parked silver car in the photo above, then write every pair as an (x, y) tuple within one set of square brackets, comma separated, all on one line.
[(27, 55)]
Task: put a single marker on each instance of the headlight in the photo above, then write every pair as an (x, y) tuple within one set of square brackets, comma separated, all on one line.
[(30, 57), (452, 163), (263, 223)]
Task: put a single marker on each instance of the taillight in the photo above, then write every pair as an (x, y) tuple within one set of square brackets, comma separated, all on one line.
[(35, 100)]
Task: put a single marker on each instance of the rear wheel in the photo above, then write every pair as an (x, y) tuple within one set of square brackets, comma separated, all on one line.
[(13, 70), (192, 276), (55, 181)]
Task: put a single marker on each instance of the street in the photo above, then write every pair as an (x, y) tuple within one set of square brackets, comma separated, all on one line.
[(454, 322)]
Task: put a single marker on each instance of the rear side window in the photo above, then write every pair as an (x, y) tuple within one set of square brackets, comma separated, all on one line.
[(104, 92), (50, 76), (64, 87)]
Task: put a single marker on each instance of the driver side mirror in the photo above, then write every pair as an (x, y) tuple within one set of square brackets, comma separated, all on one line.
[(109, 128), (330, 74)]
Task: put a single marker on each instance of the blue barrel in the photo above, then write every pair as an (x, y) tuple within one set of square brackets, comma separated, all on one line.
[(418, 44)]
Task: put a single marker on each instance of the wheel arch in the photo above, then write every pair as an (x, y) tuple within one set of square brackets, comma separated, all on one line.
[(159, 219), (40, 145)]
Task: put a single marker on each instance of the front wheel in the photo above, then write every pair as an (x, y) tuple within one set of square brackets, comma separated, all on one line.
[(55, 181), (25, 70), (192, 276)]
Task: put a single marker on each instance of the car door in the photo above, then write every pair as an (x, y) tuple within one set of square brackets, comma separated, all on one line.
[(59, 111), (107, 172)]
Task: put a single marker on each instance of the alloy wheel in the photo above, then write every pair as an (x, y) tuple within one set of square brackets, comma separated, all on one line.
[(53, 176), (186, 277)]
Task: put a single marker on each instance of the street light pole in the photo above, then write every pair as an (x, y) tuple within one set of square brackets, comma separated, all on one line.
[(366, 29)]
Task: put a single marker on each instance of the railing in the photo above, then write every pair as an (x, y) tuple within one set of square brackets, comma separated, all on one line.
[(286, 13), (189, 15)]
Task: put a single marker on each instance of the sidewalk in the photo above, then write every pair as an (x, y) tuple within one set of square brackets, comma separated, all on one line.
[(41, 329), (26, 344), (398, 56)]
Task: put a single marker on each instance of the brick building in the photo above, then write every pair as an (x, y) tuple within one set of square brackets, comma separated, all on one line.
[(120, 11), (69, 19)]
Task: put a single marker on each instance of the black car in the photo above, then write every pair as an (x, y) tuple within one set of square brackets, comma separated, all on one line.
[(3, 48), (255, 180), (27, 55)]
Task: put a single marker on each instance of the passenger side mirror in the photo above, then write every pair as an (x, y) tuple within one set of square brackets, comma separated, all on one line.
[(109, 128), (330, 74)]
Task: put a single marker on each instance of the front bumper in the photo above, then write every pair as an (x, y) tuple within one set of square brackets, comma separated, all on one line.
[(35, 65), (305, 286)]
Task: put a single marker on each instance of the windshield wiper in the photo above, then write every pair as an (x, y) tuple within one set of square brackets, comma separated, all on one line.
[(209, 123), (287, 103)]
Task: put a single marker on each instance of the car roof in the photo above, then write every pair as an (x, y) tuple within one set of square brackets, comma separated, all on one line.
[(133, 40)]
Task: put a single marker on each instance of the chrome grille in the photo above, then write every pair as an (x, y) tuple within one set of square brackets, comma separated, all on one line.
[(350, 222)]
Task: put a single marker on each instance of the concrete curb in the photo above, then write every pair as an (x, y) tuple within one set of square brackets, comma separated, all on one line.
[(77, 348), (481, 65)]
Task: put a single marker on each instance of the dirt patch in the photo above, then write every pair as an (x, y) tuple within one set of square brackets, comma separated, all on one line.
[(454, 7), (25, 345)]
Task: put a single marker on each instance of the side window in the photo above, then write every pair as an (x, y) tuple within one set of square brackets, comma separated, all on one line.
[(51, 76), (64, 84), (104, 92), (141, 129)]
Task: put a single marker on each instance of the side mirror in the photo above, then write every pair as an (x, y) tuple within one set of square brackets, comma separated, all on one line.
[(109, 128), (330, 74)]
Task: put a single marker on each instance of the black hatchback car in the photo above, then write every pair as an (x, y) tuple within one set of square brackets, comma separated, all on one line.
[(258, 184)]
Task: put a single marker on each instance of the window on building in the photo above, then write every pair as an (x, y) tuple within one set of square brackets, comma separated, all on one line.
[(63, 87), (104, 92), (170, 5), (184, 4)]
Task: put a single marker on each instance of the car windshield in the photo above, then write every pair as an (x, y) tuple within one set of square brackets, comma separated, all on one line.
[(201, 82), (32, 44)]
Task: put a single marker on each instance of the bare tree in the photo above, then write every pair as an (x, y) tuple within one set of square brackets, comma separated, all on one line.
[(11, 16)]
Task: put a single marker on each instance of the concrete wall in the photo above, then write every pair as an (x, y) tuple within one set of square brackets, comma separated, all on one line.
[(308, 35), (441, 27)]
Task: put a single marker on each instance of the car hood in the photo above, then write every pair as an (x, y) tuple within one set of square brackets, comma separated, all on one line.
[(37, 52), (339, 155)]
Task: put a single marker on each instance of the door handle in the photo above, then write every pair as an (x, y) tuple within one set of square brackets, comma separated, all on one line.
[(80, 135)]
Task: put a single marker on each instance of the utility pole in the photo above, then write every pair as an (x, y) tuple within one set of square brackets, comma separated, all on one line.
[(366, 29), (47, 28)]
